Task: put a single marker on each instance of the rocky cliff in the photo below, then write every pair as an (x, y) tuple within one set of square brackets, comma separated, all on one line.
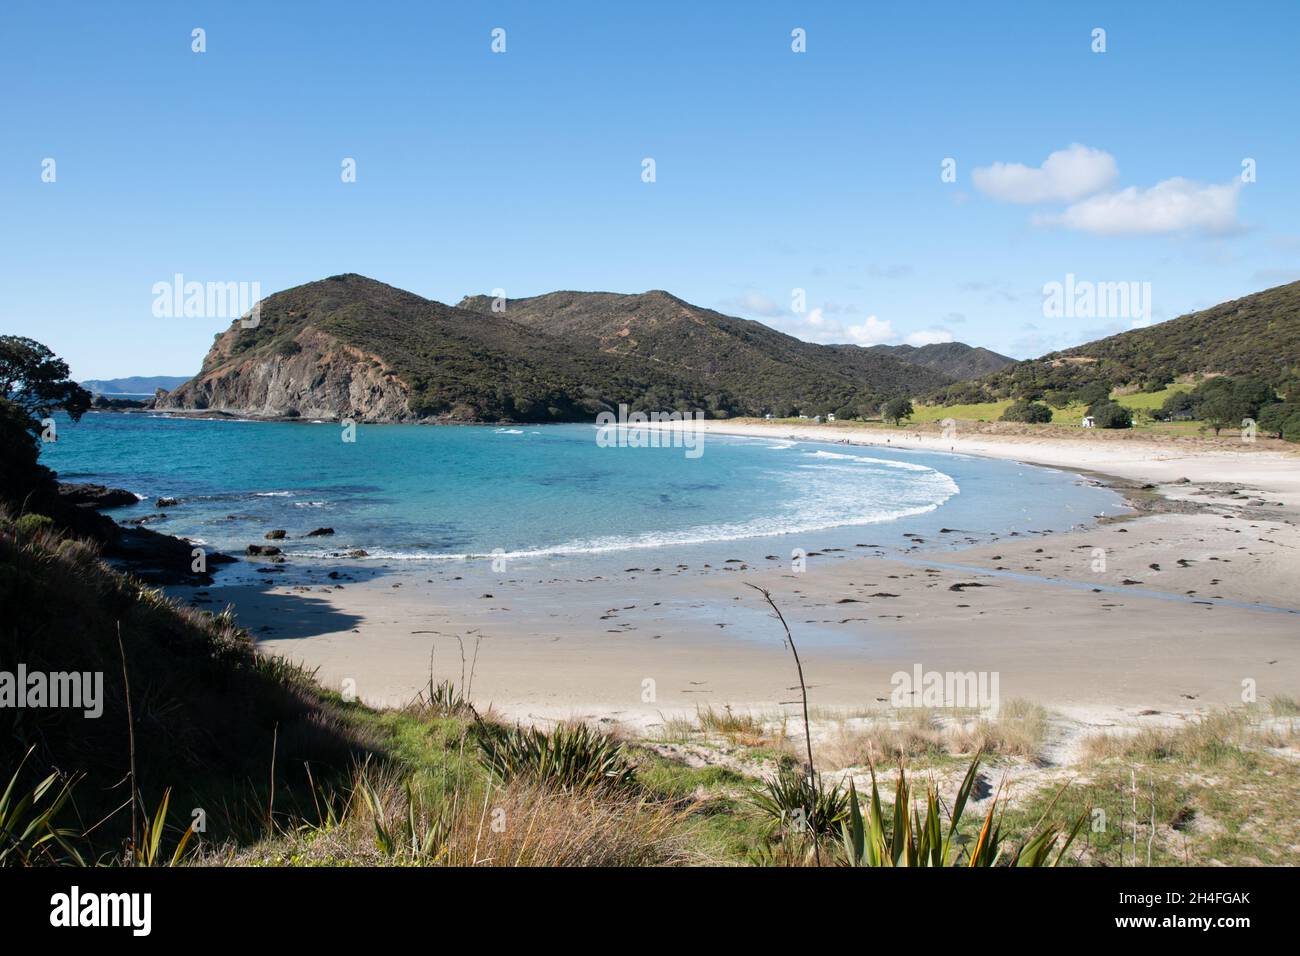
[(311, 375)]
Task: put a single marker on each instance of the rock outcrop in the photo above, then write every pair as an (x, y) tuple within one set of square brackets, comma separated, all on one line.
[(313, 376)]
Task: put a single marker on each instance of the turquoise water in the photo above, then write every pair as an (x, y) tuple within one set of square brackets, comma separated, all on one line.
[(404, 492)]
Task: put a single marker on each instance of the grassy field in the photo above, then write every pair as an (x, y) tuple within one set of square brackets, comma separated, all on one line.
[(1070, 415), (1151, 400)]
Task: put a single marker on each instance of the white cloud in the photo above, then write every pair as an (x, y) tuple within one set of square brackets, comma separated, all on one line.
[(816, 327), (753, 303), (873, 331), (929, 337), (1066, 175), (1175, 205)]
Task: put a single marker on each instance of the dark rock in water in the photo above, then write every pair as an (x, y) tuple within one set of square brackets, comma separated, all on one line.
[(104, 404), (358, 553), (95, 496), (161, 558), (266, 550), (147, 519), (319, 531), (276, 535), (165, 503), (157, 559)]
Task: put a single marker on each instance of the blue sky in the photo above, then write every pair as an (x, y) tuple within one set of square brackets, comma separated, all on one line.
[(775, 170)]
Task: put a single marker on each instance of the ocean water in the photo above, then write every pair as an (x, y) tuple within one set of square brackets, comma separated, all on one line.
[(409, 492)]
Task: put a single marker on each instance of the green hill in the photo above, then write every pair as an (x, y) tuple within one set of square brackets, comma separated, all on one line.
[(349, 346), (957, 360), (759, 368), (1256, 336)]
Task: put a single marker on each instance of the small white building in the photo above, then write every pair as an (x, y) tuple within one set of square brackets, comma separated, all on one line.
[(1087, 422), (830, 418)]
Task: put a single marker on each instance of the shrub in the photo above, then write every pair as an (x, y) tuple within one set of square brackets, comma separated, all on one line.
[(570, 758), (1281, 421), (791, 800), (30, 524), (1111, 415), (896, 409), (1024, 411), (1180, 406)]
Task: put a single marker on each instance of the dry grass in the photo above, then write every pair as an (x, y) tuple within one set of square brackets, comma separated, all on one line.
[(1019, 730), (535, 827), (677, 729), (737, 727), (916, 734), (728, 723), (1214, 739), (387, 820), (1283, 705)]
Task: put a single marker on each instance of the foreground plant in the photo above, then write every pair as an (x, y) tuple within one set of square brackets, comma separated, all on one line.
[(419, 836), (803, 804), (571, 757), (28, 833), (914, 842), (149, 851)]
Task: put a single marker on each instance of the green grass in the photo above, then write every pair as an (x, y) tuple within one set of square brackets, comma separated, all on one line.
[(989, 412), (1151, 400), (1242, 815), (982, 412), (1070, 415)]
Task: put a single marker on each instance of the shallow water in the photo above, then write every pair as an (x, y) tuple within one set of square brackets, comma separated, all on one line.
[(540, 493)]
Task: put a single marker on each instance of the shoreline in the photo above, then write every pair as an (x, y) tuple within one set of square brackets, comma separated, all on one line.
[(1128, 457), (556, 647)]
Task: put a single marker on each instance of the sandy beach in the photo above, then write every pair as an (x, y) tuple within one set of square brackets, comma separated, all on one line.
[(1174, 609)]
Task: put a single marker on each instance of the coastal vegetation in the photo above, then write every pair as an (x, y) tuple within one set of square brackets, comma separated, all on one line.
[(1255, 337)]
